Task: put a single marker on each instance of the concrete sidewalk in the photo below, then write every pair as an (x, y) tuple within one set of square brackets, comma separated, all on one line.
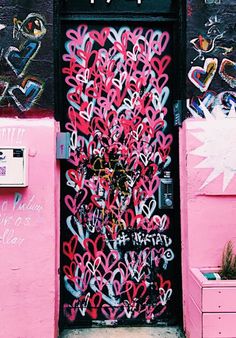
[(124, 332)]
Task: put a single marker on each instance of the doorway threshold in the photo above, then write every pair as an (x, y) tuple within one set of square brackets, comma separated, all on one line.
[(124, 332)]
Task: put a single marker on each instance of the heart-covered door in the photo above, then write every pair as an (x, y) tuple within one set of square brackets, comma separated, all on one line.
[(120, 243)]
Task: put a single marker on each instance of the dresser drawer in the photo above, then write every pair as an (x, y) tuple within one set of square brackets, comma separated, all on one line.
[(219, 325), (219, 299)]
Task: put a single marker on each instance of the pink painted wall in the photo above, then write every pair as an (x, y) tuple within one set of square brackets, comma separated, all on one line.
[(207, 213), (29, 230)]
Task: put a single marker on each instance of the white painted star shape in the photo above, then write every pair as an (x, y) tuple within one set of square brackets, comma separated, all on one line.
[(217, 132)]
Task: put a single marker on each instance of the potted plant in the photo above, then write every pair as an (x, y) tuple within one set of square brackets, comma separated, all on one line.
[(228, 265), (213, 298)]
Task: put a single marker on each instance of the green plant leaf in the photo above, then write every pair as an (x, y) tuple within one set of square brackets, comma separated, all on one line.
[(228, 264)]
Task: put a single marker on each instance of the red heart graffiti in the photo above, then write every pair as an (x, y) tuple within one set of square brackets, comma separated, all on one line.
[(80, 123), (94, 247), (94, 91), (70, 202), (95, 302), (120, 288), (70, 270), (150, 186), (98, 201), (112, 313), (159, 46), (160, 223), (164, 153), (154, 119), (156, 255), (121, 47), (160, 65), (107, 101), (108, 262), (135, 35), (165, 142), (160, 283), (132, 220), (102, 280), (81, 260), (155, 311), (160, 82), (69, 248), (74, 159), (83, 280), (70, 311), (74, 97), (135, 291), (138, 195), (77, 35), (124, 272), (149, 172), (76, 177), (85, 53), (100, 37)]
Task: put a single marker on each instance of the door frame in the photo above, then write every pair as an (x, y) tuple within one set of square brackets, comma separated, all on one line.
[(178, 23)]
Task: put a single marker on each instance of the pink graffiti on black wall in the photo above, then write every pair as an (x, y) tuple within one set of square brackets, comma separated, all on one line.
[(117, 246)]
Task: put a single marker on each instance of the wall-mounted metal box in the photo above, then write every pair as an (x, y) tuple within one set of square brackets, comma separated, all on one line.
[(165, 193), (13, 167), (63, 146)]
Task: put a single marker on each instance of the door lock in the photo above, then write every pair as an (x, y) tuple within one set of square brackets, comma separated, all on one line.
[(165, 193)]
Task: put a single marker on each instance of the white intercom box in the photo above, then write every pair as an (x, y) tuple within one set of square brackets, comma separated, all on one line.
[(13, 167)]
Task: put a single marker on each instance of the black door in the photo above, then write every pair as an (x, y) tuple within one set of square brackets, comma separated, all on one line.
[(120, 236)]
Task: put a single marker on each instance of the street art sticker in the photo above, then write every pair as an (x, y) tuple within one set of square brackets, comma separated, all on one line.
[(21, 89), (117, 249)]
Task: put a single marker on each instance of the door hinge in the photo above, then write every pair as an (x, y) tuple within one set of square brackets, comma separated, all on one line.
[(178, 108)]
